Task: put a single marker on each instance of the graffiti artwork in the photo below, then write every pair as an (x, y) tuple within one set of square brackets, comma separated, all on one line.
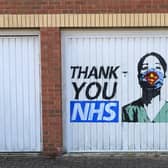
[(99, 105), (149, 107)]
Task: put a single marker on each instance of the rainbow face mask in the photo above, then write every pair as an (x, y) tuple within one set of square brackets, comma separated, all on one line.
[(151, 78)]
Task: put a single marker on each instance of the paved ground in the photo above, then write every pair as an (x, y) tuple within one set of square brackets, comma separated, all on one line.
[(87, 161)]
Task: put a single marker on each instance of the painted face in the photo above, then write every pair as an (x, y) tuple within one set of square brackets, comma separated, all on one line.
[(152, 73)]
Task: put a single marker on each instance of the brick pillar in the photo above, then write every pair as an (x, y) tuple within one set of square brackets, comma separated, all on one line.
[(51, 90)]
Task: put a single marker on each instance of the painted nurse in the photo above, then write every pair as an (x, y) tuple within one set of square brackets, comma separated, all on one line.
[(149, 107)]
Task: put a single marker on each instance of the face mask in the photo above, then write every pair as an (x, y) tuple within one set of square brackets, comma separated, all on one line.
[(151, 78)]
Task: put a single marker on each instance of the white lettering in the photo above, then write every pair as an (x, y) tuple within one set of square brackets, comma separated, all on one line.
[(78, 110), (98, 111), (110, 111)]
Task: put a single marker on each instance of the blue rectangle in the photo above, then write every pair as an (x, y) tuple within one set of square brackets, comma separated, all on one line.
[(94, 111)]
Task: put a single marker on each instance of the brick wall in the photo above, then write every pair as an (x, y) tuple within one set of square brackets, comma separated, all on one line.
[(51, 90), (82, 6)]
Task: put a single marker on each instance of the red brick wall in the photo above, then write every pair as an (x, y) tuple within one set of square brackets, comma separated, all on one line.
[(82, 6), (51, 90)]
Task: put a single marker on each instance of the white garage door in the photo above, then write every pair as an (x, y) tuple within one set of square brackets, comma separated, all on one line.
[(20, 92), (115, 90)]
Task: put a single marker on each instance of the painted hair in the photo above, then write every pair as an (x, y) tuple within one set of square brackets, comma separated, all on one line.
[(158, 56)]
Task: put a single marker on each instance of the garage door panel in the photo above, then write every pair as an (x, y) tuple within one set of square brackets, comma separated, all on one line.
[(97, 49), (20, 94)]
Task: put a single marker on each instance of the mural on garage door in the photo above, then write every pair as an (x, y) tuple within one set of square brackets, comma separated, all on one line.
[(151, 73)]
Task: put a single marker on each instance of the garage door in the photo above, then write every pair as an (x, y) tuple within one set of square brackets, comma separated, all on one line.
[(115, 90), (20, 92)]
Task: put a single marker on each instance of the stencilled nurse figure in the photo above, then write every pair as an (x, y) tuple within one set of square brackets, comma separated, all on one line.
[(150, 107)]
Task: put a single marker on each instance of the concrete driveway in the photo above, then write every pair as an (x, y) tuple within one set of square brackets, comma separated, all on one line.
[(153, 160)]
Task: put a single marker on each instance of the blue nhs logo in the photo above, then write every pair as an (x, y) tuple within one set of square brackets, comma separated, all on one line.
[(94, 111)]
